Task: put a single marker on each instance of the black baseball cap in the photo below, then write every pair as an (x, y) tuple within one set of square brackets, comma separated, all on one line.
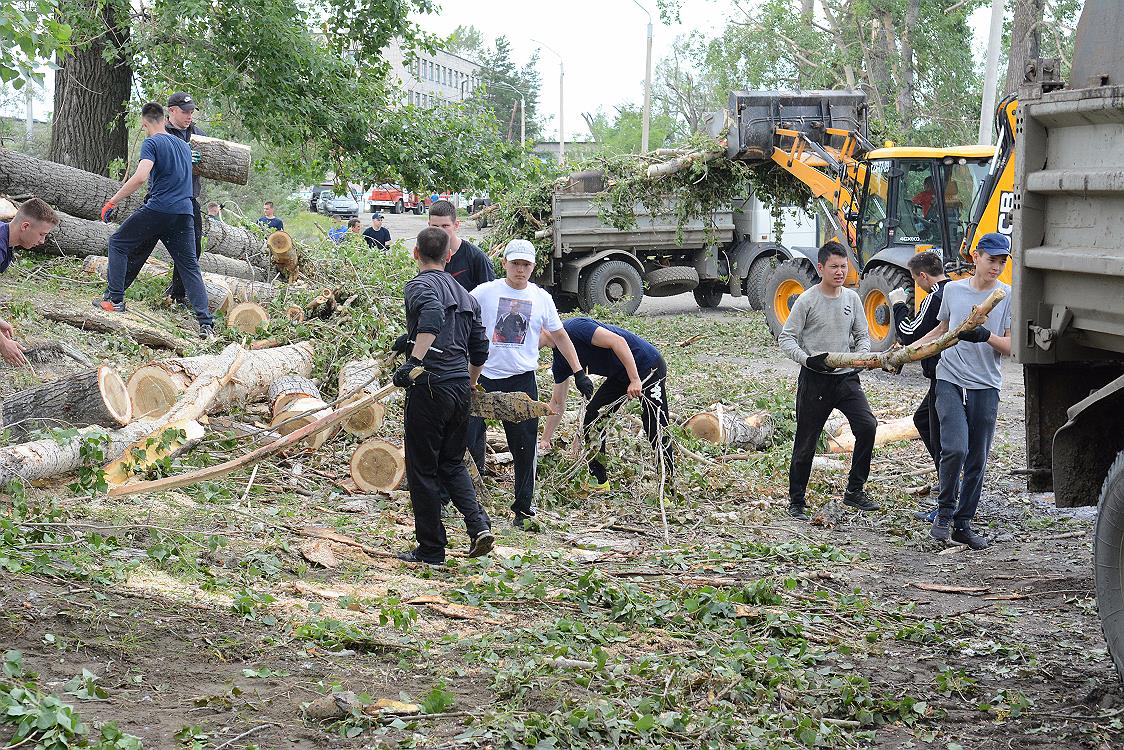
[(376, 215), (181, 100)]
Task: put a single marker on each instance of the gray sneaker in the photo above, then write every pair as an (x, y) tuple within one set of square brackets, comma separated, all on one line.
[(965, 535), (482, 543), (941, 530)]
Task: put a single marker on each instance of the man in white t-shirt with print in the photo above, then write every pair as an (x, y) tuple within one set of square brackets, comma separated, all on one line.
[(515, 312)]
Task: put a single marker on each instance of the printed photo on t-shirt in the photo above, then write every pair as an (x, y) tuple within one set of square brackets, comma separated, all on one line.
[(513, 318)]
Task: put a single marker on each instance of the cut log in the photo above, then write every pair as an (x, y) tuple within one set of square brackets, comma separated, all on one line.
[(283, 253), (156, 386), (510, 407), (888, 432), (724, 426), (247, 317), (300, 412), (46, 459), (294, 313), (224, 266), (225, 161), (89, 318), (287, 389), (7, 209), (74, 191), (378, 466), (219, 298), (77, 237), (894, 359), (357, 379), (167, 441), (234, 242), (93, 397)]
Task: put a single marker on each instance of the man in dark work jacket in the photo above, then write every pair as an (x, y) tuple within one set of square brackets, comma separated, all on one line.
[(181, 124), (449, 342)]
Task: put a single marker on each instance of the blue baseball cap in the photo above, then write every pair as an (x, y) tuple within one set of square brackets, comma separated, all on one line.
[(994, 243)]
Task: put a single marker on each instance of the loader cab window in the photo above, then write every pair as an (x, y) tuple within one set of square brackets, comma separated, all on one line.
[(873, 224), (918, 202), (962, 181)]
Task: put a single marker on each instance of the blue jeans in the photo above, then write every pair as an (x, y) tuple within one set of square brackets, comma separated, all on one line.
[(967, 417), (133, 242)]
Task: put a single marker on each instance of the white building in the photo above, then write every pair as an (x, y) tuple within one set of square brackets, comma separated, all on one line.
[(430, 78)]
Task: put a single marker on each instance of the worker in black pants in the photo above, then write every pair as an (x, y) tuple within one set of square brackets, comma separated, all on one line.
[(181, 124), (449, 342), (928, 273)]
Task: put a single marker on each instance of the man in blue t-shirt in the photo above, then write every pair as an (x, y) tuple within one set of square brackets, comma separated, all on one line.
[(33, 221), (167, 216), (631, 367), (268, 220)]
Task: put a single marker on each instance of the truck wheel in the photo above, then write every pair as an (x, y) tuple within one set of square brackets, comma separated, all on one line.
[(612, 283), (708, 295), (874, 287), (417, 209), (785, 284), (670, 281), (398, 207), (757, 279), (1108, 561)]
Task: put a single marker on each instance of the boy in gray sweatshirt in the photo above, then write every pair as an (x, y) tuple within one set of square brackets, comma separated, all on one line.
[(828, 318)]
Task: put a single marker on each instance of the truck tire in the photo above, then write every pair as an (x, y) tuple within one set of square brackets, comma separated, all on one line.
[(417, 209), (614, 284), (670, 281), (708, 295), (787, 282), (757, 279), (398, 207), (1108, 561), (874, 287)]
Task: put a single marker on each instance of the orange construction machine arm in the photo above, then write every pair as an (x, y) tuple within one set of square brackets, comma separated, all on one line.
[(996, 204)]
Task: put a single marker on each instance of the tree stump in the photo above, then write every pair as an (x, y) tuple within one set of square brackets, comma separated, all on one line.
[(367, 420), (728, 427), (225, 161), (378, 466), (247, 317), (283, 253), (94, 397)]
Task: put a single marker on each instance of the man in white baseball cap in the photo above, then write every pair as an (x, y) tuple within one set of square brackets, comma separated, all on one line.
[(515, 311)]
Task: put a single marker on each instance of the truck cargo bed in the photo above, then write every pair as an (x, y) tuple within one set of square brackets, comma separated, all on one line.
[(578, 228)]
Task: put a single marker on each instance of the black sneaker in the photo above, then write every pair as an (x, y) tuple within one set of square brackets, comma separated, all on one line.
[(941, 530), (965, 535), (108, 305), (860, 500), (482, 543), (206, 332), (526, 523), (412, 558), (798, 511)]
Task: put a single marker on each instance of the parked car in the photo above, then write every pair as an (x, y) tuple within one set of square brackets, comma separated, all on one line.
[(395, 199), (344, 206)]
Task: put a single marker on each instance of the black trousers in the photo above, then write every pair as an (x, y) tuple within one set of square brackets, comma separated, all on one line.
[(522, 439), (817, 394), (654, 415), (436, 435), (929, 427), (176, 290)]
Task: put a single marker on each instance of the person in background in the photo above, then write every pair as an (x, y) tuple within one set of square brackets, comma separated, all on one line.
[(29, 228), (469, 265), (827, 318), (377, 235), (268, 220), (180, 123), (214, 210), (353, 226), (337, 230)]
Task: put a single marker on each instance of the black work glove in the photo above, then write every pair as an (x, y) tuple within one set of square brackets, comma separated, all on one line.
[(401, 344), (402, 377), (584, 384), (819, 363), (978, 335)]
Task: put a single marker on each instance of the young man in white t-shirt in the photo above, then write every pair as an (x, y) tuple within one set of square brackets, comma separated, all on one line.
[(515, 312)]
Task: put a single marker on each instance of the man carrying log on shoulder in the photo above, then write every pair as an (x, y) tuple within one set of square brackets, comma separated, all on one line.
[(969, 376), (33, 221), (631, 367), (181, 124), (449, 342), (827, 318), (515, 312), (928, 273), (166, 216)]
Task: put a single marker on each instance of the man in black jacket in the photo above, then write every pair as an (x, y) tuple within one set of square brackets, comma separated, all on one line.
[(449, 342), (928, 273), (181, 124)]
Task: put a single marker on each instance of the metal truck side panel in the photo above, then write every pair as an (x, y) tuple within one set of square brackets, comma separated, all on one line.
[(579, 229)]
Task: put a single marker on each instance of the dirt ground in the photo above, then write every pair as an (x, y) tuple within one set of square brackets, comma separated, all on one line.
[(205, 626)]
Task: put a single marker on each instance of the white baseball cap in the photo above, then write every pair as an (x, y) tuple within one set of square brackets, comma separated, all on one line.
[(519, 250)]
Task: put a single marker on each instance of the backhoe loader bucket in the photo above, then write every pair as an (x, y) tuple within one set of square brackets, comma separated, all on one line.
[(754, 117)]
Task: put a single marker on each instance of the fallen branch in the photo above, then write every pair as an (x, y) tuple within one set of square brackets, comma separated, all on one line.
[(89, 318)]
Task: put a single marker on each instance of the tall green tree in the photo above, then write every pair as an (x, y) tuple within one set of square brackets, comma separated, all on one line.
[(500, 74), (620, 133)]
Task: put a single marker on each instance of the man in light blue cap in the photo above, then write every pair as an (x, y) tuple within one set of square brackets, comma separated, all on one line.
[(969, 377)]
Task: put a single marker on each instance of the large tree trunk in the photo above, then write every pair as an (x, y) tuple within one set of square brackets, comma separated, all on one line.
[(93, 397), (219, 288), (69, 189), (89, 318), (92, 87), (728, 427), (1024, 41), (221, 160)]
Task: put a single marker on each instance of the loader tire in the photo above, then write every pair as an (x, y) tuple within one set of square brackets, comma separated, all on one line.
[(1108, 561), (874, 288), (757, 279), (787, 282)]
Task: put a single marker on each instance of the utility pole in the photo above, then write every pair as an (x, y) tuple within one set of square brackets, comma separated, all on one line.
[(522, 112), (647, 85), (561, 103), (29, 98), (991, 73)]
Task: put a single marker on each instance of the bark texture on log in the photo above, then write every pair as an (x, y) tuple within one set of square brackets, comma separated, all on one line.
[(728, 427), (246, 317), (378, 466), (233, 242), (75, 191), (510, 407), (895, 359), (353, 376), (94, 397), (77, 237), (225, 161), (236, 289), (89, 318), (286, 389), (888, 432), (233, 267)]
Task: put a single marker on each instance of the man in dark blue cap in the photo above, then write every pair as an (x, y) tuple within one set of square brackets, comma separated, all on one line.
[(969, 377), (377, 235), (181, 124)]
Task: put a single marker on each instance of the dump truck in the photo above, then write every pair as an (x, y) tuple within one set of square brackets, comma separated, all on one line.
[(1068, 312)]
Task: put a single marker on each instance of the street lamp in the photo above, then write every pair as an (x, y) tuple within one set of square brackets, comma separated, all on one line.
[(522, 112), (647, 84), (561, 80)]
